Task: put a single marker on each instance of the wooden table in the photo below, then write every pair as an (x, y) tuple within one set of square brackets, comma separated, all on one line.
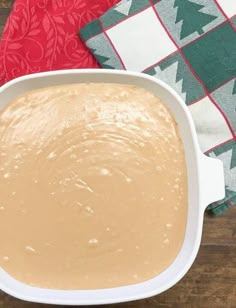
[(211, 282)]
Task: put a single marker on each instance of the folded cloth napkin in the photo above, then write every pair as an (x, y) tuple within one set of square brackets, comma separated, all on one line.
[(191, 45), (41, 35)]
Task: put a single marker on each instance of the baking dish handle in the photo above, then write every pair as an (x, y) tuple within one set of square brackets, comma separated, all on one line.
[(212, 186)]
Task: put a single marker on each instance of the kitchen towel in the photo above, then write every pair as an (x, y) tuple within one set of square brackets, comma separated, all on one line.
[(191, 45), (41, 35)]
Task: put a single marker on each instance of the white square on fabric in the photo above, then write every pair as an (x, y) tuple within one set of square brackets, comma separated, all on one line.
[(228, 6), (141, 41), (210, 124)]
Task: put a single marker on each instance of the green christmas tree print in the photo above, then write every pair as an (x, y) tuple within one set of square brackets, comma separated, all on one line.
[(193, 20), (101, 59), (176, 73), (233, 159), (234, 88)]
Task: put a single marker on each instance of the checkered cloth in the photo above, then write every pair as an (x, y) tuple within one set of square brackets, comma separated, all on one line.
[(189, 44)]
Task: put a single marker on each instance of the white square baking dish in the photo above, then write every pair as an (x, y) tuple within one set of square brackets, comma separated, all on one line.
[(205, 185)]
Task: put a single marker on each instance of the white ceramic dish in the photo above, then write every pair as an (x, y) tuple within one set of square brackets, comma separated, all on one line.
[(205, 182)]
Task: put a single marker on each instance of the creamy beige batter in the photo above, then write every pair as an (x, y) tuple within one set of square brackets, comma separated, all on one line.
[(93, 187)]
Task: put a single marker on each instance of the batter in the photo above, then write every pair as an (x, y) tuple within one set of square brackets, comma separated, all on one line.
[(93, 187)]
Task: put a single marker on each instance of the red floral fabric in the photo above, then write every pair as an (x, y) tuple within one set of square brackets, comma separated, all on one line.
[(41, 35)]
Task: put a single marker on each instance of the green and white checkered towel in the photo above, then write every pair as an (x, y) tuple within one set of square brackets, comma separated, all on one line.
[(189, 44)]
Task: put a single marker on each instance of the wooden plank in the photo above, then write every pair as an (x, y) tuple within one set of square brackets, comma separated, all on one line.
[(4, 13), (6, 3), (220, 230)]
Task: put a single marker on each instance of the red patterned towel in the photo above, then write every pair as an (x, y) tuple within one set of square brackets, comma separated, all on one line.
[(41, 35)]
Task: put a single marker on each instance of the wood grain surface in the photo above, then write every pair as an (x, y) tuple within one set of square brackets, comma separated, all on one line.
[(211, 282)]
